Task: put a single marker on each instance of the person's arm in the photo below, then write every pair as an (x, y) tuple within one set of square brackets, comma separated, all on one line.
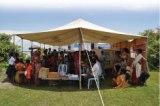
[(146, 64), (93, 71), (144, 58), (16, 66)]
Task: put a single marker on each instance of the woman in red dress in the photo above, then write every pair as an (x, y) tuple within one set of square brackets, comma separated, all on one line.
[(36, 64)]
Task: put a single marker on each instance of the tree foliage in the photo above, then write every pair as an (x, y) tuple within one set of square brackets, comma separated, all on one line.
[(6, 47), (153, 47)]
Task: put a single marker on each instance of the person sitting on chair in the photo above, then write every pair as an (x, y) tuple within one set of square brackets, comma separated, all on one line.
[(96, 69)]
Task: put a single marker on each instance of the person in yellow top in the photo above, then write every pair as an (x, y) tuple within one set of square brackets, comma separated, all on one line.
[(120, 81)]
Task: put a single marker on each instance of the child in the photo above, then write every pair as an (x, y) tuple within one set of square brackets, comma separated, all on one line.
[(28, 71)]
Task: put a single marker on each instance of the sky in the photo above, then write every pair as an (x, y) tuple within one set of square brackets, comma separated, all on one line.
[(130, 16)]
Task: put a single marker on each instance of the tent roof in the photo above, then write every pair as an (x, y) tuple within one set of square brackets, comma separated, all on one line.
[(70, 33)]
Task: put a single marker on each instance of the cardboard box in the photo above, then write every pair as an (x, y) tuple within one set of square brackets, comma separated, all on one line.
[(54, 76)]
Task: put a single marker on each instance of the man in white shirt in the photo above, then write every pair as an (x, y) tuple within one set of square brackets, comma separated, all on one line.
[(11, 71), (137, 64), (11, 61), (96, 69)]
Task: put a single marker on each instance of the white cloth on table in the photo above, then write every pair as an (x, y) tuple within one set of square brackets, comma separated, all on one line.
[(73, 77)]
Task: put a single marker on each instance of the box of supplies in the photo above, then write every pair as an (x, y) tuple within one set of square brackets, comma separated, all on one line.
[(43, 73), (54, 76)]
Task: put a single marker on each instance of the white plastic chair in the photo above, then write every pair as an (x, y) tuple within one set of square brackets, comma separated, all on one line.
[(62, 69), (96, 78), (102, 76)]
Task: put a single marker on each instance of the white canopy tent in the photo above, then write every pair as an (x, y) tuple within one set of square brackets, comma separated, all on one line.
[(78, 31), (71, 33)]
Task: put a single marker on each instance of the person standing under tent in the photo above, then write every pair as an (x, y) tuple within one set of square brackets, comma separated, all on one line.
[(45, 58), (20, 78), (117, 62), (61, 58), (54, 60), (11, 70), (28, 72), (36, 64), (76, 62), (139, 68), (125, 55), (71, 60), (67, 62), (103, 62)]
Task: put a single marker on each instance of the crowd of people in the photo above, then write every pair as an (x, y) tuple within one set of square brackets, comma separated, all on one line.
[(129, 71), (18, 71), (126, 70), (27, 71)]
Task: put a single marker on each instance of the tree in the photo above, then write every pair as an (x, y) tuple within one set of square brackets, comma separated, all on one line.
[(153, 47), (6, 47)]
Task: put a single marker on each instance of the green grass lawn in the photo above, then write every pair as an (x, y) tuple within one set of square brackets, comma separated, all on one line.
[(71, 96)]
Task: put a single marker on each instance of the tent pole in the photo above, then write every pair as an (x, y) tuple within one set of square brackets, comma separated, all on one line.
[(40, 45), (31, 44), (80, 77), (22, 45), (44, 46), (80, 49), (14, 40), (14, 45), (31, 49)]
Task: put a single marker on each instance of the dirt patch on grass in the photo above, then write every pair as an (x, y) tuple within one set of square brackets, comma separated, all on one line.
[(4, 84)]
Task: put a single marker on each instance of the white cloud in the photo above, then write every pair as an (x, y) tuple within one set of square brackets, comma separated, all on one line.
[(79, 4)]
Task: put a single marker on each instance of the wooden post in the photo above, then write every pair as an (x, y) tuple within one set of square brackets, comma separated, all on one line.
[(80, 49)]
